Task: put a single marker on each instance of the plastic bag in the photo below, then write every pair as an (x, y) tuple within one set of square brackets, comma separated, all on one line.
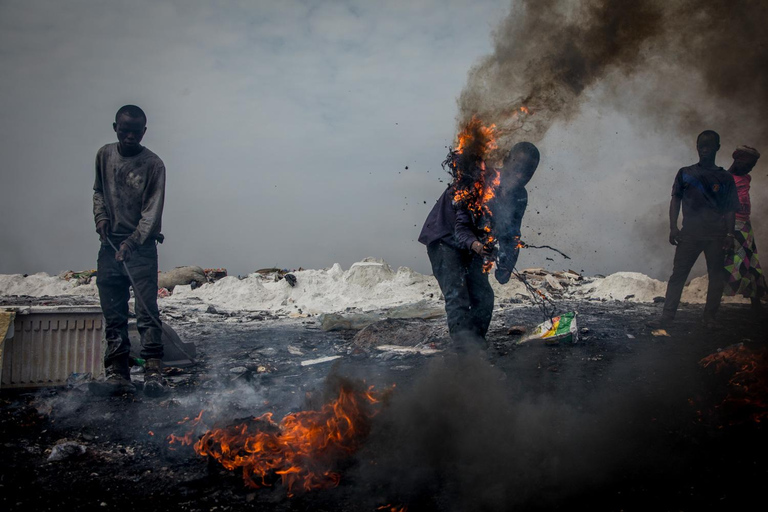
[(560, 328)]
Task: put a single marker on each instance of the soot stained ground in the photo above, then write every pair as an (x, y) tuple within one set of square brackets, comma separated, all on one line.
[(622, 420)]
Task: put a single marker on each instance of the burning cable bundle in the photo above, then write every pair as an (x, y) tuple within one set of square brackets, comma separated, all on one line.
[(748, 395), (303, 449)]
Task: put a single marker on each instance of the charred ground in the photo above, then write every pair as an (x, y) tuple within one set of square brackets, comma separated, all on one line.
[(622, 420)]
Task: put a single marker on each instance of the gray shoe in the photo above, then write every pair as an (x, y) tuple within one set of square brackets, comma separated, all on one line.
[(114, 384), (154, 383)]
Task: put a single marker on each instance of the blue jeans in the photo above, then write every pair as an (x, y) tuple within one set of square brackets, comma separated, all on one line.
[(468, 294)]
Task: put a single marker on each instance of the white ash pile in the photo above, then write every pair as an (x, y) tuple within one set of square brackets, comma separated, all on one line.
[(44, 285), (637, 287), (370, 285)]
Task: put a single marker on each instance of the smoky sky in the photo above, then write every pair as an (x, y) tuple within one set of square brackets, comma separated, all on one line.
[(286, 128), (674, 67)]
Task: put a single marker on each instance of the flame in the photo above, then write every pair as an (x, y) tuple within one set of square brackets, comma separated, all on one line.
[(476, 138), (748, 383), (474, 183), (302, 449)]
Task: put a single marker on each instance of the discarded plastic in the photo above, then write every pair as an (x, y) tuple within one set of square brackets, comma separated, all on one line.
[(408, 350), (310, 362), (560, 328)]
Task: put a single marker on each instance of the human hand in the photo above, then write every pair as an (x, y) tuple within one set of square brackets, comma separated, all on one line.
[(480, 249), (674, 236), (124, 254), (728, 243), (102, 228)]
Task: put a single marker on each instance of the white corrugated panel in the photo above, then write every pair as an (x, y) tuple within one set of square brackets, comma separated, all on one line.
[(51, 343)]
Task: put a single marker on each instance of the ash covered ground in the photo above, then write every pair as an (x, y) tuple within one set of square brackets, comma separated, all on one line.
[(620, 420)]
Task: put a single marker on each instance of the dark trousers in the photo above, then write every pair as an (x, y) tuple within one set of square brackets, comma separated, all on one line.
[(468, 294), (114, 293), (688, 250)]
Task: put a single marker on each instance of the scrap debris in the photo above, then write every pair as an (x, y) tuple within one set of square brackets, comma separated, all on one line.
[(319, 360), (560, 328)]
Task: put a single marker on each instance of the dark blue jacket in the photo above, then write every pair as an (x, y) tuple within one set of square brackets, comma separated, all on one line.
[(508, 208), (440, 223)]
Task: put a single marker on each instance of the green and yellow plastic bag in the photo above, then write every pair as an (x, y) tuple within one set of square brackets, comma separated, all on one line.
[(560, 328)]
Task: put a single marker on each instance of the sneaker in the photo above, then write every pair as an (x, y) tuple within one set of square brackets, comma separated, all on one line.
[(115, 383), (154, 383)]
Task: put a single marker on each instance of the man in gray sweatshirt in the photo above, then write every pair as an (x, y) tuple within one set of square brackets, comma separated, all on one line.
[(128, 197)]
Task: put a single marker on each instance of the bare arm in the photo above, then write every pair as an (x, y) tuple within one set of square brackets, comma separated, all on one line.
[(99, 205), (100, 213), (674, 213), (730, 222)]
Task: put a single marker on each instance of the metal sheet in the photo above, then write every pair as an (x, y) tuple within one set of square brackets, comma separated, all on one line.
[(51, 343)]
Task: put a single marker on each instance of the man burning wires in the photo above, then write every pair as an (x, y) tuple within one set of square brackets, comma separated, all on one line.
[(474, 225)]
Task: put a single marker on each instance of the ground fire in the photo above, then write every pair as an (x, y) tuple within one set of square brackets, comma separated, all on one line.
[(747, 399), (303, 450)]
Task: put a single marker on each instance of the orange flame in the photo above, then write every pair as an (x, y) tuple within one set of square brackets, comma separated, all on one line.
[(749, 382), (476, 137), (476, 140), (302, 449)]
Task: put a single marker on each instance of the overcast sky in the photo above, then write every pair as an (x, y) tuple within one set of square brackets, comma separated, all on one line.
[(286, 128)]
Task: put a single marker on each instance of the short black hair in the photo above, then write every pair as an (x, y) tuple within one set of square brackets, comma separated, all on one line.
[(708, 133), (525, 148), (131, 111)]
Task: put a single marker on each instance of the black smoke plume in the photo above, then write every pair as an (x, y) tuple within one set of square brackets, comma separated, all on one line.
[(548, 54)]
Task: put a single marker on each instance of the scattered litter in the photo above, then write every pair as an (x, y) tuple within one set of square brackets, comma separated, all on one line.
[(561, 328), (319, 360), (660, 332), (290, 279), (214, 274), (79, 381), (82, 277), (296, 351), (66, 450), (424, 351), (630, 336), (553, 283)]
